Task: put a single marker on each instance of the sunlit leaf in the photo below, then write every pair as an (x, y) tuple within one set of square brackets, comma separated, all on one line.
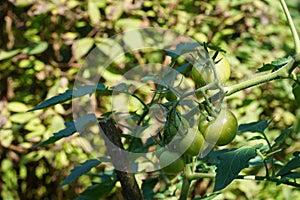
[(17, 106), (37, 49), (94, 13), (133, 39), (8, 54), (114, 12), (81, 47)]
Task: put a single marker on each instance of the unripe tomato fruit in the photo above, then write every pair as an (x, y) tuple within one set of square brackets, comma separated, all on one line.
[(204, 75), (202, 124), (171, 162), (221, 130), (177, 124), (170, 96), (191, 143)]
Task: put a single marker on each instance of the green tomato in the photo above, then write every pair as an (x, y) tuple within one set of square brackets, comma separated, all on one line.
[(177, 124), (222, 130), (202, 125), (191, 143), (203, 75), (170, 96), (171, 162)]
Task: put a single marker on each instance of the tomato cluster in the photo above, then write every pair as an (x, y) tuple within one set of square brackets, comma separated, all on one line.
[(187, 142)]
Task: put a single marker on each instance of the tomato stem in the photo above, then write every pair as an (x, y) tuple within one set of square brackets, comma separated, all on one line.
[(283, 72), (201, 175), (291, 25), (186, 183)]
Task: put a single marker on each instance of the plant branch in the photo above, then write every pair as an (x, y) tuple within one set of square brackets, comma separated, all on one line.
[(195, 176), (111, 135), (270, 179), (186, 183), (291, 25), (280, 73)]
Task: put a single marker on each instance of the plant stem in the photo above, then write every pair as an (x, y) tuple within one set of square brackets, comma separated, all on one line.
[(264, 161), (291, 25), (186, 183), (195, 176), (280, 73), (201, 175), (270, 179)]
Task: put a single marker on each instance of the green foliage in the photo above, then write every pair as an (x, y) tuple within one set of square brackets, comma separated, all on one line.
[(231, 163), (80, 170), (99, 190), (43, 45), (70, 94), (259, 127)]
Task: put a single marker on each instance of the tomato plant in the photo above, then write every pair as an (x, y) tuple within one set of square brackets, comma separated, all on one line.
[(177, 136)]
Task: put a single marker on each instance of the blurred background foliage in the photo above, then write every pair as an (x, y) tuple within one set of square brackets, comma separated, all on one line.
[(43, 43)]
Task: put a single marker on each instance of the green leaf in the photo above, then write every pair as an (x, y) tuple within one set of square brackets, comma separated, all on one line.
[(292, 175), (275, 65), (80, 170), (17, 106), (148, 186), (71, 127), (282, 137), (296, 92), (128, 23), (69, 94), (292, 164), (266, 67), (98, 190), (254, 127), (8, 54), (133, 39), (81, 47), (212, 157), (231, 163), (37, 49), (69, 130), (114, 11), (94, 13)]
